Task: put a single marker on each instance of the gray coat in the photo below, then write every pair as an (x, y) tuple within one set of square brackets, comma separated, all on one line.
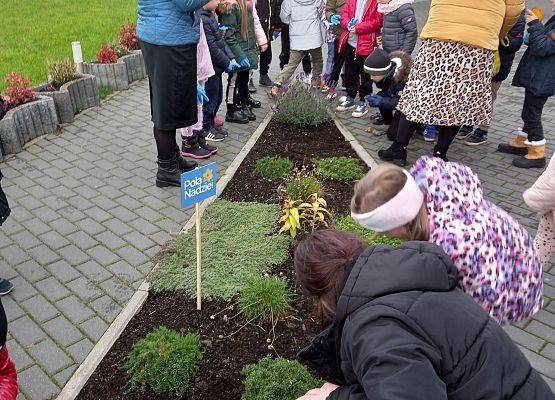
[(304, 18), (399, 30)]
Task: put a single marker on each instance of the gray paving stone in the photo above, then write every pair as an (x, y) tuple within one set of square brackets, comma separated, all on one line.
[(22, 289), (54, 240), (36, 384), (107, 308), (62, 331), (132, 255), (90, 226), (36, 226), (110, 240), (13, 255), (549, 351), (94, 328), (73, 255), (144, 227), (103, 255), (63, 271), (117, 290), (43, 254), (540, 363), (94, 271), (52, 288), (123, 214), (39, 308), (542, 330), (26, 331), (18, 355), (80, 350), (125, 272), (63, 377), (118, 227), (49, 356), (82, 240), (85, 289), (31, 270), (98, 214), (74, 309), (139, 240), (26, 240), (63, 226), (11, 308)]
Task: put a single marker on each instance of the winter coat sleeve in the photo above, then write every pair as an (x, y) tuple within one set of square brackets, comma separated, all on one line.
[(261, 38), (220, 57), (513, 8), (540, 44), (232, 33), (330, 8), (390, 102), (541, 196), (407, 21), (188, 6), (348, 13), (390, 360), (285, 13), (514, 38), (373, 24)]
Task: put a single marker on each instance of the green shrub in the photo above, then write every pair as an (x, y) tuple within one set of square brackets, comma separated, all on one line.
[(272, 168), (339, 168), (239, 240), (347, 223), (277, 379), (301, 106), (61, 72), (301, 186), (265, 298), (164, 361), (104, 92)]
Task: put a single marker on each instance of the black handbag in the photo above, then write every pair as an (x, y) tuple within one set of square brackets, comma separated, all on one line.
[(4, 206)]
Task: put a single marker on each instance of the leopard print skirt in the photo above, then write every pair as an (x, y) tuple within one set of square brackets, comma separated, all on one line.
[(449, 84)]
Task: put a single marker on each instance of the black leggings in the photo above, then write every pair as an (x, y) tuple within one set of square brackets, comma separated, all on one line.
[(165, 143), (238, 87), (446, 134)]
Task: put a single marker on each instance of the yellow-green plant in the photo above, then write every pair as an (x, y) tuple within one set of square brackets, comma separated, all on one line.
[(309, 214), (61, 72)]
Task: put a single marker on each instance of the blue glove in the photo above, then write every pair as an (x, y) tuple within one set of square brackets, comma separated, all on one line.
[(276, 35), (374, 100), (235, 65), (202, 98), (335, 19), (526, 38), (245, 63), (223, 27), (229, 67), (352, 23)]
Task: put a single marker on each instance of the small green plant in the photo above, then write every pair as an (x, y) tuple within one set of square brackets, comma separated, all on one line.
[(339, 168), (119, 49), (347, 223), (308, 214), (164, 361), (61, 72), (301, 105), (301, 185), (273, 168), (104, 92), (265, 298), (277, 379)]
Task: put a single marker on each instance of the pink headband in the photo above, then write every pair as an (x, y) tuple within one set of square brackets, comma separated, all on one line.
[(398, 211)]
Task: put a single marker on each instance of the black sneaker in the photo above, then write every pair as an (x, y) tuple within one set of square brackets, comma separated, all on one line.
[(236, 117), (214, 136), (5, 287), (248, 113), (220, 129), (265, 81), (477, 138), (464, 131)]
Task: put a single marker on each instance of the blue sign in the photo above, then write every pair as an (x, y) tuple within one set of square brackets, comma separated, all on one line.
[(198, 185)]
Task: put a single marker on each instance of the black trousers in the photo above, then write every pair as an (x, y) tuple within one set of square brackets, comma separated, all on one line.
[(266, 59), (356, 80), (532, 116), (445, 136), (338, 62), (214, 90), (237, 87), (286, 52), (387, 115)]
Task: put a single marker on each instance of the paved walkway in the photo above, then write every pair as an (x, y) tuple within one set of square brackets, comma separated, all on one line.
[(86, 221)]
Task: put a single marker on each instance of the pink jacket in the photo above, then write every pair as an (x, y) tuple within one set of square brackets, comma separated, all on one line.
[(541, 198), (261, 38), (205, 69)]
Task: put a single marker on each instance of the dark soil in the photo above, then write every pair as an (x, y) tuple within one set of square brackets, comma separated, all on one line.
[(50, 87), (300, 145), (229, 343)]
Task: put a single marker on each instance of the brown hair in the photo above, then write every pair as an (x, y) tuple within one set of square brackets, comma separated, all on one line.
[(379, 186), (244, 17), (320, 262)]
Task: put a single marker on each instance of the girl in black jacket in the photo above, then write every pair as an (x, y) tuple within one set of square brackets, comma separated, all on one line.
[(401, 328)]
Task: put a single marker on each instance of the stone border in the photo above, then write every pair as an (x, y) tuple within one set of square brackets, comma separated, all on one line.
[(135, 65), (113, 76), (27, 122), (73, 97), (83, 373)]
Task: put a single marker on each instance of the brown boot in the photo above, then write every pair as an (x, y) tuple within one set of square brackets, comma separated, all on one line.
[(516, 145), (535, 158)]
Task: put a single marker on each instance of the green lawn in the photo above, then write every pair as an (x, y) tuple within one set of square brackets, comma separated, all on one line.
[(33, 31)]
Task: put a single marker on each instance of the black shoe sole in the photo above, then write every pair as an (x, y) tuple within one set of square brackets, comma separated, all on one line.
[(6, 291), (526, 164), (397, 161), (160, 183), (475, 143)]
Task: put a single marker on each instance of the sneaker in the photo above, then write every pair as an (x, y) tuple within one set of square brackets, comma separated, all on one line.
[(464, 131), (348, 104), (430, 134), (361, 110), (206, 146), (265, 81), (196, 152), (479, 137), (218, 121), (214, 136), (342, 99), (324, 89), (332, 94), (220, 129), (252, 88), (5, 287)]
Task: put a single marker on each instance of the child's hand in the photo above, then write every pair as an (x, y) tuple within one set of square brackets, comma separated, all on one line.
[(379, 40), (335, 19), (245, 63), (264, 47), (351, 24), (232, 65), (202, 98), (374, 100), (530, 16), (223, 27)]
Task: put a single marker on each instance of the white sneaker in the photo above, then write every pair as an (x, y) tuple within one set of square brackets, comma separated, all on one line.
[(342, 99), (361, 110), (348, 104)]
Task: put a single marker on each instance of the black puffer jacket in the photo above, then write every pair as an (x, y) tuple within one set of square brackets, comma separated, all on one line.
[(399, 30), (508, 49), (220, 52), (407, 332)]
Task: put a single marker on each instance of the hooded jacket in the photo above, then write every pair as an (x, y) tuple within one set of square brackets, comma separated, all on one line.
[(394, 82), (508, 47), (536, 70), (169, 22), (404, 331), (399, 30), (304, 18), (220, 52), (367, 29)]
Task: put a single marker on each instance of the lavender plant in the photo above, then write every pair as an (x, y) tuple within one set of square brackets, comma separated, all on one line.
[(301, 105)]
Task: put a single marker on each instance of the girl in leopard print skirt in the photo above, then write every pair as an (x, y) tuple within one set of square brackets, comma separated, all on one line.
[(450, 81)]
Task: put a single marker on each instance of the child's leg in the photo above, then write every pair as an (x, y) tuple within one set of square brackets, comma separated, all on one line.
[(445, 136), (532, 116), (329, 61), (231, 89), (387, 115), (317, 62), (289, 69), (494, 89), (365, 88), (210, 108), (338, 62), (243, 86), (307, 65), (220, 94), (352, 74), (285, 49)]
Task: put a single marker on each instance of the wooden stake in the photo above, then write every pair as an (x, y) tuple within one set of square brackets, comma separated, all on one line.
[(199, 258)]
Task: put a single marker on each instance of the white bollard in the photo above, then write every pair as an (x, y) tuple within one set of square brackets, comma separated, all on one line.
[(77, 56)]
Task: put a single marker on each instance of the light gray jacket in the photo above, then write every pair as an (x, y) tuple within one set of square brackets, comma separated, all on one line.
[(305, 20), (399, 30)]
